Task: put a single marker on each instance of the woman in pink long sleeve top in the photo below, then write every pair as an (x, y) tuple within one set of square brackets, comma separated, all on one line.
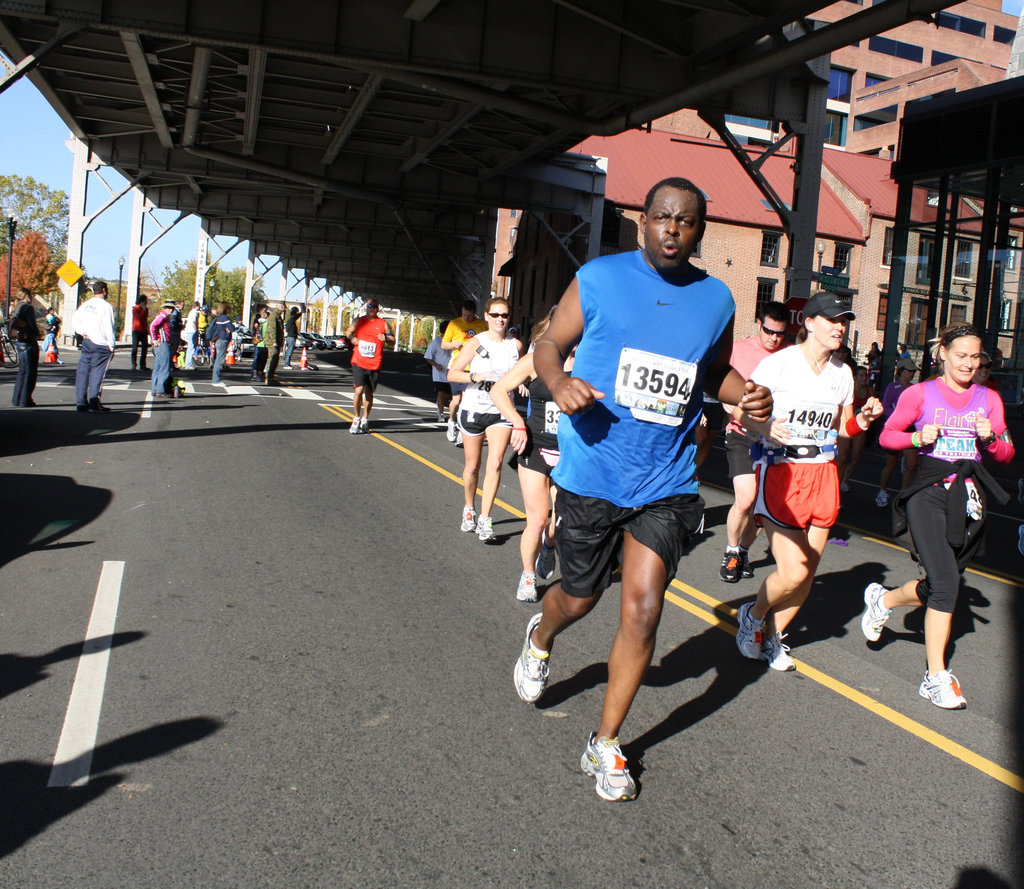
[(951, 423)]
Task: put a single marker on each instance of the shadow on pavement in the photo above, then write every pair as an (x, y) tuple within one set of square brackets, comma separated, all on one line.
[(42, 509), (28, 806), (20, 671)]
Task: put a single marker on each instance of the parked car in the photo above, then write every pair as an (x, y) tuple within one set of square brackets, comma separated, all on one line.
[(340, 341), (309, 341)]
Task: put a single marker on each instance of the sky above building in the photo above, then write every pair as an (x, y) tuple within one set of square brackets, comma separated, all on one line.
[(34, 144)]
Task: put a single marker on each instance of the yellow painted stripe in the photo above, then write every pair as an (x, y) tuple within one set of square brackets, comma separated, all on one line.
[(993, 770), (344, 414), (946, 745)]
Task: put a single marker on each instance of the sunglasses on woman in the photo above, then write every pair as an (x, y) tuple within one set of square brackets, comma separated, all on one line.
[(498, 314)]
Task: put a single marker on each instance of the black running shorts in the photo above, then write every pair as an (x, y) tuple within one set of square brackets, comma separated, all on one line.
[(364, 379), (589, 534)]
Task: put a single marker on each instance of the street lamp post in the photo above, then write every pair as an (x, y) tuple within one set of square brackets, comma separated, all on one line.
[(12, 229), (821, 252), (120, 275)]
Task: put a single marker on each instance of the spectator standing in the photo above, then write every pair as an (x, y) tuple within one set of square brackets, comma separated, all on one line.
[(93, 321), (437, 358), (368, 335), (140, 332), (160, 334), (219, 334), (53, 323), (24, 331), (259, 347), (273, 336), (191, 333), (291, 333)]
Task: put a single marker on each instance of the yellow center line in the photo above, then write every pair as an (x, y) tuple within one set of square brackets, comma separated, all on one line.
[(346, 415), (946, 745)]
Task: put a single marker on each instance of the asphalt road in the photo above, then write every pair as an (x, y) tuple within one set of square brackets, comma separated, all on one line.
[(308, 680)]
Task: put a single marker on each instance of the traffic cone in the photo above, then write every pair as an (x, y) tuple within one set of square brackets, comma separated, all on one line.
[(230, 357), (51, 354), (304, 360)]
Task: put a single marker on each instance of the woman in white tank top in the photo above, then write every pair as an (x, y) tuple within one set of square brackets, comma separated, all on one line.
[(482, 360)]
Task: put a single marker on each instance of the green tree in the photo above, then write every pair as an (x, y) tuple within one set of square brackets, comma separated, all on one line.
[(39, 209), (221, 286)]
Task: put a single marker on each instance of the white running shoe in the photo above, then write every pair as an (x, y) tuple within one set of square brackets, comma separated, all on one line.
[(364, 425), (452, 431), (943, 690), (468, 519), (749, 633), (776, 653), (881, 498), (354, 428), (875, 613), (527, 589), (485, 528), (603, 760), (531, 672), (545, 564)]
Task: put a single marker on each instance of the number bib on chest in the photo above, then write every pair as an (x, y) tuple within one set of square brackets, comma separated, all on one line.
[(811, 421), (655, 388), (367, 348), (955, 444), (551, 414)]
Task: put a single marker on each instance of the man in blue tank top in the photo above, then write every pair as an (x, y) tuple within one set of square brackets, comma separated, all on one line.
[(651, 334)]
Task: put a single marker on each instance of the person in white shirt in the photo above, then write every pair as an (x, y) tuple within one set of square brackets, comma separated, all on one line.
[(190, 331), (94, 323)]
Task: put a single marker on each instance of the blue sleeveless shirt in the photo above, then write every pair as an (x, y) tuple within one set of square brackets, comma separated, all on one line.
[(647, 342)]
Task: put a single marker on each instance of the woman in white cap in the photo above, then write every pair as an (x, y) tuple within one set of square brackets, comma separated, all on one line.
[(797, 480)]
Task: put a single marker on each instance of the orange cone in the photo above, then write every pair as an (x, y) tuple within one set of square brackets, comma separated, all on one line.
[(304, 360), (51, 354), (230, 357)]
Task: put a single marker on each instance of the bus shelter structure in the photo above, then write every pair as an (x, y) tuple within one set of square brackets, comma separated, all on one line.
[(960, 227)]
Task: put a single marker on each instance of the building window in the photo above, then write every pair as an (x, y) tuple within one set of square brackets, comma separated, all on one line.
[(958, 314), (939, 57), (887, 247), (961, 23), (889, 47), (835, 128), (1011, 253), (841, 259), (924, 260), (875, 118), (1003, 35), (883, 310), (513, 214), (696, 250), (765, 293), (1006, 315), (964, 259), (840, 82), (874, 79), (770, 248)]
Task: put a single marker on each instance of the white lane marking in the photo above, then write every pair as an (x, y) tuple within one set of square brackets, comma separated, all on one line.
[(415, 400), (147, 407), (242, 390), (307, 394), (73, 760)]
